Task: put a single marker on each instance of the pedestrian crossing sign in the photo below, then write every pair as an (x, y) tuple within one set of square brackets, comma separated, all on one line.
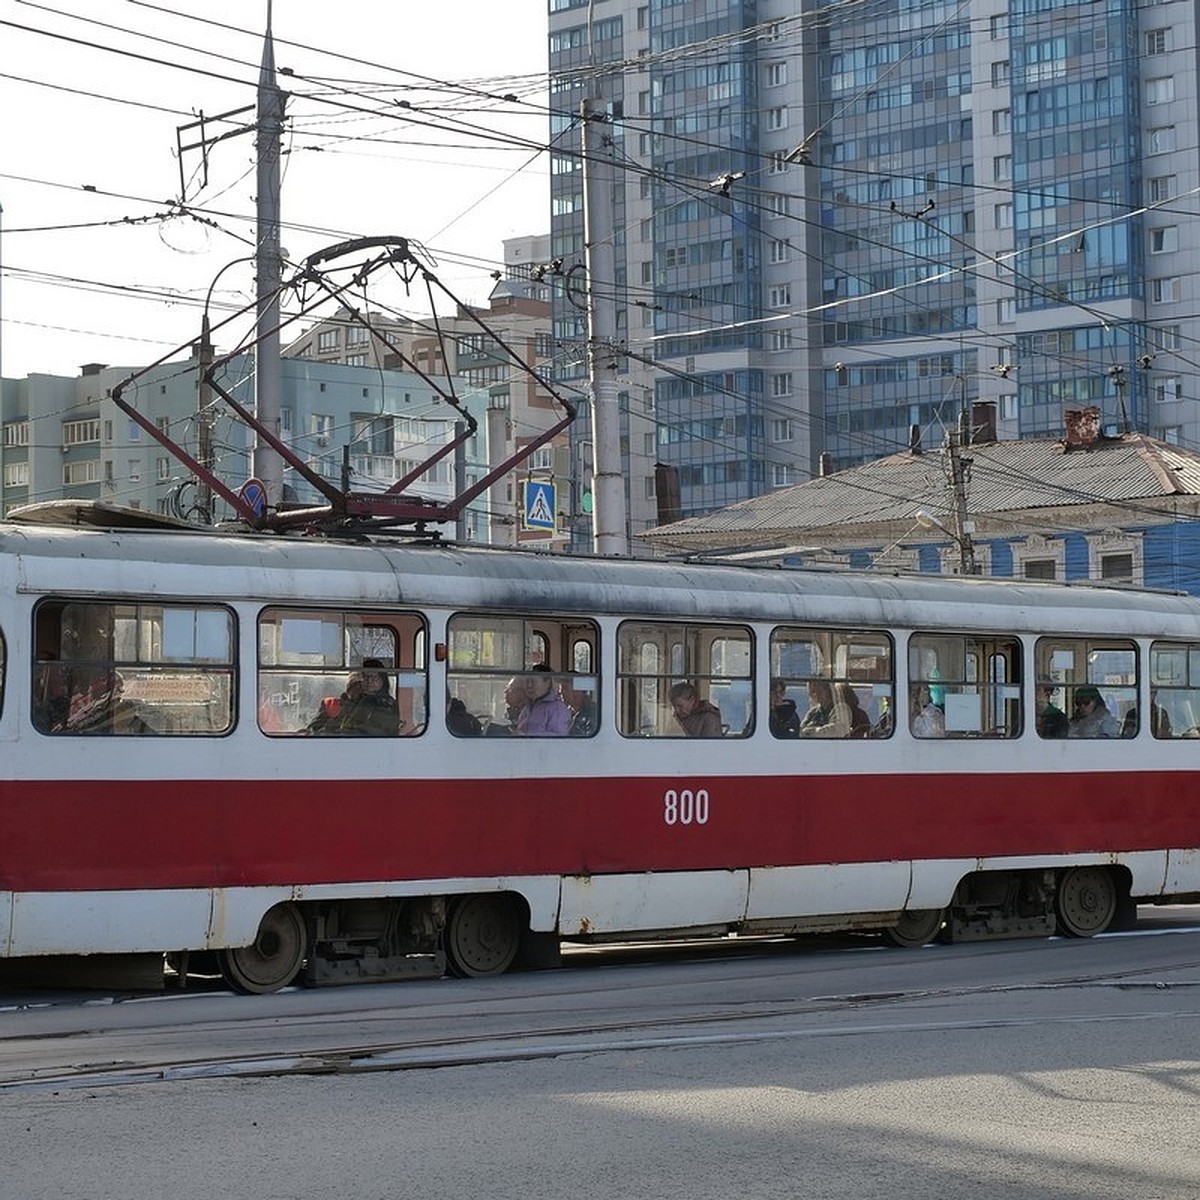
[(541, 505)]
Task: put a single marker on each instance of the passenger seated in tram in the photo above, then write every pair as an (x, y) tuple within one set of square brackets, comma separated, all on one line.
[(1091, 718), (927, 720), (849, 712), (1049, 720), (365, 709), (460, 722), (545, 713), (100, 708), (585, 721), (784, 720), (52, 697), (514, 701), (820, 708), (883, 727), (698, 718)]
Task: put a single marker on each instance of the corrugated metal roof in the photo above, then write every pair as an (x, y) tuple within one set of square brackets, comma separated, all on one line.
[(1004, 477)]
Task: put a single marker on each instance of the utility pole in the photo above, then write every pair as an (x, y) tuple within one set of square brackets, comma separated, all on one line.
[(609, 522), (268, 372), (204, 420), (956, 473)]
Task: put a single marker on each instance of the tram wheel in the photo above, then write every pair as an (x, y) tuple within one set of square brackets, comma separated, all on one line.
[(274, 958), (1085, 901), (916, 927), (483, 935)]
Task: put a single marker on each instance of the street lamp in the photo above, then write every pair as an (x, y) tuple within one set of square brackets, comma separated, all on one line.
[(962, 539)]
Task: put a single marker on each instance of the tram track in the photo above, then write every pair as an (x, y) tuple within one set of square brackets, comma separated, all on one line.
[(712, 1026)]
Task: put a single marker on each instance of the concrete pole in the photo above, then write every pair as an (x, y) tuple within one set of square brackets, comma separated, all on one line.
[(268, 373), (610, 535)]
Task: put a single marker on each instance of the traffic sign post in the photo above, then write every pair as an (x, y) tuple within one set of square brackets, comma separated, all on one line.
[(539, 510)]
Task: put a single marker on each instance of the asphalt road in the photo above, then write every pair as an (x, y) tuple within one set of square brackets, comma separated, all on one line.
[(835, 1068)]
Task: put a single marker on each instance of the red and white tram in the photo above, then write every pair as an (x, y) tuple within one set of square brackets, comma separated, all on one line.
[(182, 773)]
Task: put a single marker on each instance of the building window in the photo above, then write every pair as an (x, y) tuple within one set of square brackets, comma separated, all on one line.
[(777, 204), (357, 335), (1115, 556), (1168, 389), (1164, 240), (780, 296), (1002, 121), (1160, 91), (1008, 406), (1039, 557), (998, 27), (779, 339), (1158, 41), (781, 385), (1160, 140), (778, 163), (163, 466), (16, 474), (356, 360), (81, 472), (1006, 311), (777, 118), (135, 470), (16, 433), (775, 74), (1004, 216), (1002, 167), (1166, 291), (779, 250), (1161, 188), (1167, 337), (327, 340), (782, 430), (76, 433)]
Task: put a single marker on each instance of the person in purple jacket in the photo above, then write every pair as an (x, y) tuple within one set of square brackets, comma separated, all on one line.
[(545, 713)]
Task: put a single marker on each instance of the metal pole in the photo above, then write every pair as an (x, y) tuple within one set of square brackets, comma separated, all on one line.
[(609, 522), (268, 372), (204, 419)]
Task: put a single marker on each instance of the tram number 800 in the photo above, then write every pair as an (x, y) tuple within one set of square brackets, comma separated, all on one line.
[(685, 807)]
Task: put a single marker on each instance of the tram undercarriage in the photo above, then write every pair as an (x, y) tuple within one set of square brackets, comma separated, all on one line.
[(374, 940)]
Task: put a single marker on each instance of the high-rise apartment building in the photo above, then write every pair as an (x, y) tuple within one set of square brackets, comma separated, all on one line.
[(835, 222)]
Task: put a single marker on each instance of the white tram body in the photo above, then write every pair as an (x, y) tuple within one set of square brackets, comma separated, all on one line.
[(188, 804)]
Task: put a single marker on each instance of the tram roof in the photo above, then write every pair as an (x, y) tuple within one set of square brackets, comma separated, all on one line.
[(218, 565)]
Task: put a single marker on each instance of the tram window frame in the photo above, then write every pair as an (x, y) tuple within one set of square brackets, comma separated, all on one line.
[(830, 659), (1174, 678), (485, 651), (1073, 664), (106, 666), (309, 673), (645, 681), (970, 698)]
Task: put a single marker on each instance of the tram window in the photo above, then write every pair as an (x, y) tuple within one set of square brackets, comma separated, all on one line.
[(129, 668), (964, 685), (342, 673), (1175, 690), (1098, 680), (517, 676), (684, 680), (831, 683)]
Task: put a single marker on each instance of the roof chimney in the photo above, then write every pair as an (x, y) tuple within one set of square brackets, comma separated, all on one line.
[(1083, 427), (914, 439), (983, 421), (825, 465)]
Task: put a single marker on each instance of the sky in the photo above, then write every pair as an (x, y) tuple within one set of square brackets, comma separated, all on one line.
[(398, 124)]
